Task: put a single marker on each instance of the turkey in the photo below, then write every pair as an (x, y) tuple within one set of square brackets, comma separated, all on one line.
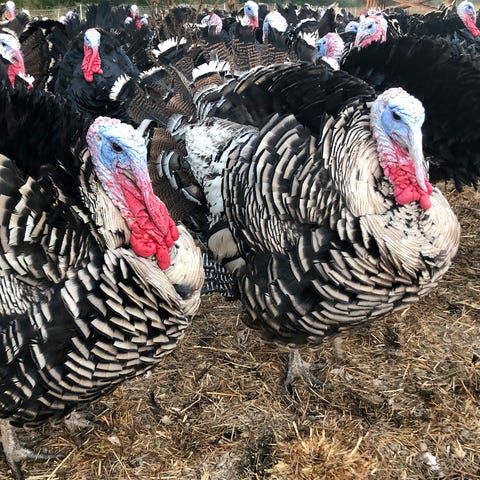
[(129, 29), (459, 24), (250, 11), (88, 71), (12, 67), (330, 48), (443, 74), (318, 200), (9, 10), (97, 283), (273, 20)]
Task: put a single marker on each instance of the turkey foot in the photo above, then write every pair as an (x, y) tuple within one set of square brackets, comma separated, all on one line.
[(14, 453), (298, 367)]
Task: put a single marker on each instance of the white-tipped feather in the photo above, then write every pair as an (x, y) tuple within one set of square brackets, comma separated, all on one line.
[(120, 82), (243, 21), (143, 126), (172, 42), (186, 270), (13, 42), (309, 38), (210, 67), (164, 168), (304, 20), (333, 62), (275, 20), (27, 78), (174, 122), (190, 197), (149, 72)]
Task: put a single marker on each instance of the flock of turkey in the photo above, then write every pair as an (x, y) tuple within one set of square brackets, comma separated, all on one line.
[(285, 157)]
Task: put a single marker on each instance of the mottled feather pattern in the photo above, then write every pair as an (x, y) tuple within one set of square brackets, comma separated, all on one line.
[(92, 346), (44, 238), (36, 55), (317, 243), (80, 311), (314, 265), (245, 56)]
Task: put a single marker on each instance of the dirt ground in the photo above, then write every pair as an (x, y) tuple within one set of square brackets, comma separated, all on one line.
[(405, 404)]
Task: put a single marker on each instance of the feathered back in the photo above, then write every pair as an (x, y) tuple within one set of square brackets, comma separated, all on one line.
[(100, 15), (37, 44), (18, 24), (39, 129), (327, 23), (308, 93), (175, 23)]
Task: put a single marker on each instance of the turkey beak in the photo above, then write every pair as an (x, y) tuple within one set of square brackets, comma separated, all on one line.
[(359, 39), (142, 180), (141, 177), (416, 152), (152, 203), (94, 56)]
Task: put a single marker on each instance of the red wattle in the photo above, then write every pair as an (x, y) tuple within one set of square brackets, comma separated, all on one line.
[(13, 70), (91, 63), (153, 230), (405, 187), (141, 243), (16, 68), (470, 24)]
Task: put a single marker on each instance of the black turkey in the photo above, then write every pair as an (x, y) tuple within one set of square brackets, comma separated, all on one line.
[(129, 29), (318, 199), (459, 22), (89, 69), (97, 283), (36, 43)]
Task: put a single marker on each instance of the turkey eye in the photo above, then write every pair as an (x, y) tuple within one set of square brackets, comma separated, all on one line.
[(116, 147), (396, 116)]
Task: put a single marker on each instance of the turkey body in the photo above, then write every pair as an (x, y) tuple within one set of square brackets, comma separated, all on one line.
[(324, 250), (80, 309), (301, 210)]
